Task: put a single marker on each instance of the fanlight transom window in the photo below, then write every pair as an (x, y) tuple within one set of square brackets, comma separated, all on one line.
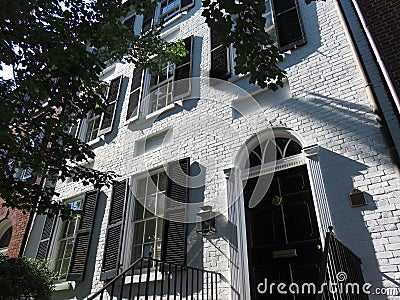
[(273, 149)]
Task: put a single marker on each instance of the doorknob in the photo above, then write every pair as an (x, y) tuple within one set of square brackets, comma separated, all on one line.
[(277, 200)]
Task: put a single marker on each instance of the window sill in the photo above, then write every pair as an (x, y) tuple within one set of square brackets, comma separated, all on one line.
[(96, 140), (65, 285), (158, 112)]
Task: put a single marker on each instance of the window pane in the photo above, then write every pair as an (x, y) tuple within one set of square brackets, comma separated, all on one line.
[(68, 248), (162, 182), (148, 250), (141, 188), (136, 252), (138, 215), (138, 233), (150, 206), (150, 230), (152, 185)]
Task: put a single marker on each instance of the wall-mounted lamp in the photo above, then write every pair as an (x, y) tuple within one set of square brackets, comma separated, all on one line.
[(357, 198), (205, 223)]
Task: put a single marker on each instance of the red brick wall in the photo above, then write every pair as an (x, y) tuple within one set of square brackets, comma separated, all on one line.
[(19, 222), (383, 17)]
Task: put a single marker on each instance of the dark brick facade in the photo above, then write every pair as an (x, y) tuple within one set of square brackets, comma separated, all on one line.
[(383, 17), (19, 223)]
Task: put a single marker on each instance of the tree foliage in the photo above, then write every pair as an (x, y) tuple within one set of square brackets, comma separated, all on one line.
[(57, 50), (25, 278)]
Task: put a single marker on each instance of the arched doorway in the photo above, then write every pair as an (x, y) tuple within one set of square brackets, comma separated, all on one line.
[(283, 240)]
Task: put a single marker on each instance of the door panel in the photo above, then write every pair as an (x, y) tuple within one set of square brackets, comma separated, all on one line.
[(282, 234)]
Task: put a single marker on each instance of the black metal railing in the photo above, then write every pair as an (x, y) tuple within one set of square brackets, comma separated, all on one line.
[(149, 278), (341, 276)]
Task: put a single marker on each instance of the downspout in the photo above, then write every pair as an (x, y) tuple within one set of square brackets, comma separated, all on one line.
[(378, 57), (369, 88)]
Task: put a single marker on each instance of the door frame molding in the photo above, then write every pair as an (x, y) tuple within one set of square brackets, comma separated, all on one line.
[(236, 211)]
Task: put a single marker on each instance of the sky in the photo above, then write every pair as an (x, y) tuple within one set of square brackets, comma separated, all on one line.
[(6, 72)]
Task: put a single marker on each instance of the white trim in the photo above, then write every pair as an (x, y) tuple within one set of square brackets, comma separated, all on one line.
[(235, 178), (96, 140), (65, 285)]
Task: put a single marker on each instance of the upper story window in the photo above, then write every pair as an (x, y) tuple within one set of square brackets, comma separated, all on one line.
[(282, 22), (169, 9), (92, 126), (161, 88), (95, 125), (151, 93)]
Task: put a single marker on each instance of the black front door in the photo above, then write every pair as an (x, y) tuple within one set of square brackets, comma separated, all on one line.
[(282, 235)]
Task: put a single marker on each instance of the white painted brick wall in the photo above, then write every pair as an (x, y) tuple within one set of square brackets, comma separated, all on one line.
[(329, 107)]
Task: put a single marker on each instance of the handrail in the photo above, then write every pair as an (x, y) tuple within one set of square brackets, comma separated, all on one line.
[(114, 279), (339, 266), (175, 280)]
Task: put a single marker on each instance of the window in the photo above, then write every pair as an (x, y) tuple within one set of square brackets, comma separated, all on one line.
[(161, 88), (150, 93), (93, 126), (147, 223), (157, 226), (169, 9), (65, 243), (283, 23)]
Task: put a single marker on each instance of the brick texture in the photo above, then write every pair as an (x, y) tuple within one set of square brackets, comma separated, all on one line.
[(19, 222), (383, 18)]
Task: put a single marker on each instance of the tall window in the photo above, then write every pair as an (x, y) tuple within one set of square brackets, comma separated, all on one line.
[(93, 126), (147, 225), (66, 241), (161, 88)]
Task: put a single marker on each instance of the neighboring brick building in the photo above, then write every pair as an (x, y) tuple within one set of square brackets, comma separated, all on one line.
[(382, 19), (14, 221), (318, 136)]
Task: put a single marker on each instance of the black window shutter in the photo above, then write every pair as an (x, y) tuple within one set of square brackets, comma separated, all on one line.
[(79, 255), (147, 23), (288, 25), (112, 250), (130, 22), (219, 57), (174, 235), (112, 100), (183, 70), (186, 4), (135, 94), (45, 238)]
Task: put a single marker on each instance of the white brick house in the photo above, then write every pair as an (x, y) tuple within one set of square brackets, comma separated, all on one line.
[(326, 143)]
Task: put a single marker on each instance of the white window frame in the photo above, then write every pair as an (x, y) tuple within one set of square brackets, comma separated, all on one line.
[(58, 239), (150, 216)]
